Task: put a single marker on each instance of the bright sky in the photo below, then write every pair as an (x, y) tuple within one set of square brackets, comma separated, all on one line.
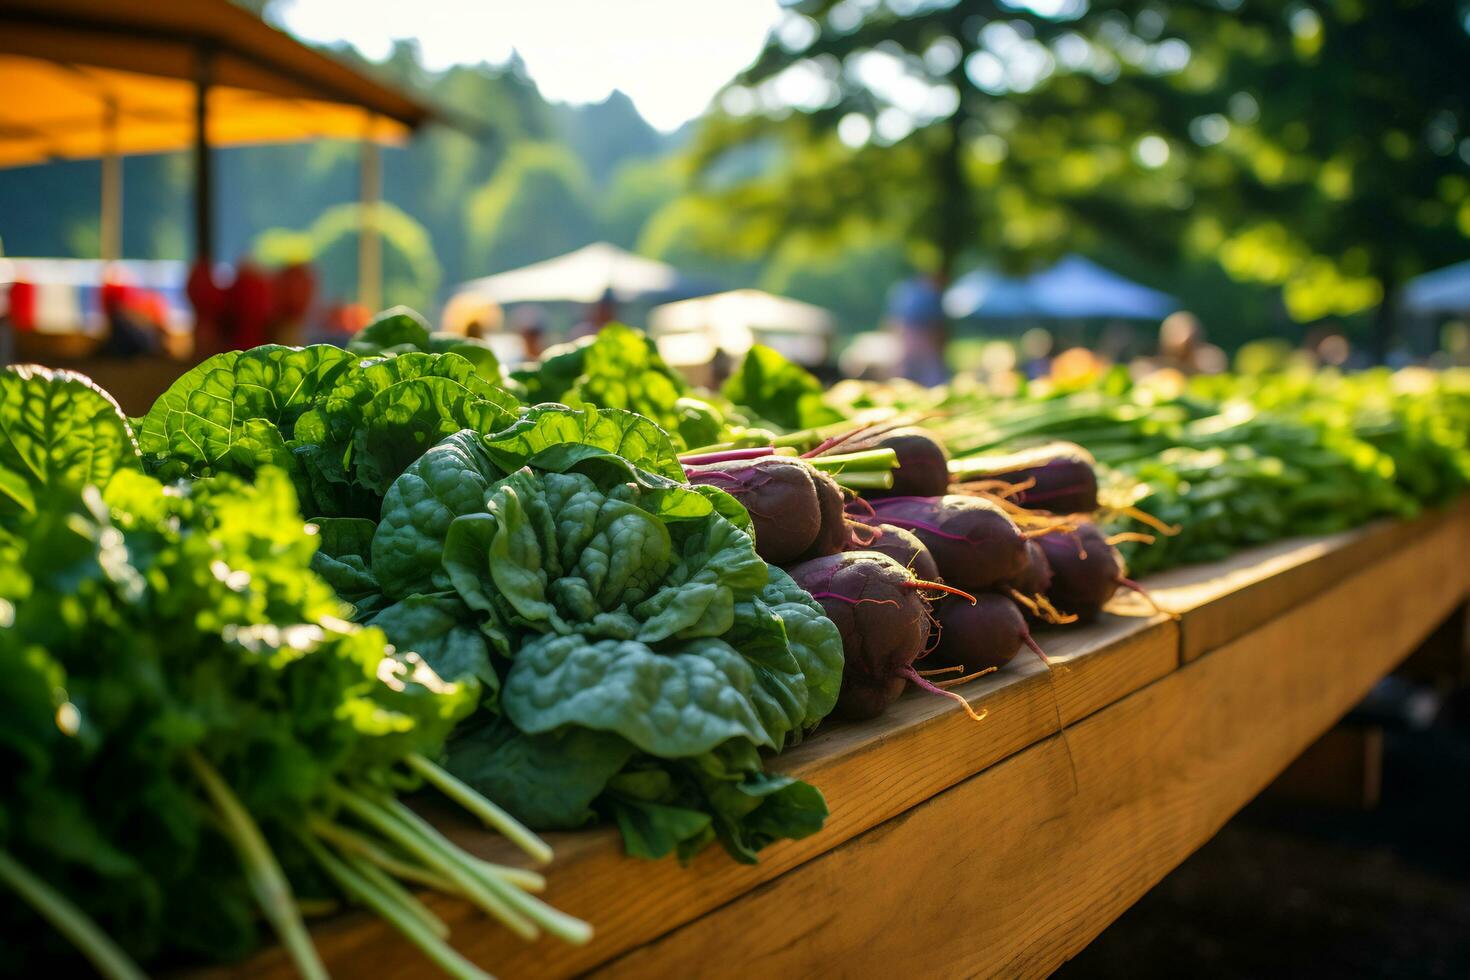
[(669, 56)]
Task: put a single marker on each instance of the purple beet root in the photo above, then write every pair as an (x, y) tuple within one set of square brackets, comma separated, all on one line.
[(831, 535), (883, 619), (975, 544), (1086, 570), (783, 499), (900, 545), (984, 636), (1058, 478), (1035, 577), (923, 465)]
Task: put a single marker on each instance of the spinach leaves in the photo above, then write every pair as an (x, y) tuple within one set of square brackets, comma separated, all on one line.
[(644, 652)]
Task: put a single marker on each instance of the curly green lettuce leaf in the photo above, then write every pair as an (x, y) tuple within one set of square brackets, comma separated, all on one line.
[(59, 432), (343, 559), (384, 414), (450, 480), (436, 628)]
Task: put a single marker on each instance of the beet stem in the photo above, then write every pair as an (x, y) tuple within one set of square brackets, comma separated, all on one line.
[(924, 685), (727, 456)]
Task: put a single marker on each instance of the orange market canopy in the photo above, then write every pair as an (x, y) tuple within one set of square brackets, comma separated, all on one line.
[(84, 79)]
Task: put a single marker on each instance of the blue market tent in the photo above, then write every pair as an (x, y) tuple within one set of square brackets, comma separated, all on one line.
[(1073, 289), (1444, 290)]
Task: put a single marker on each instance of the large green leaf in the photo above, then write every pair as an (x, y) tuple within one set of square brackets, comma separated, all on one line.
[(668, 704), (449, 480), (614, 431), (237, 411), (58, 432), (396, 327)]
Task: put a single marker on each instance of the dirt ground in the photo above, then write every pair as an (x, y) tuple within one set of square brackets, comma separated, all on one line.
[(1290, 890)]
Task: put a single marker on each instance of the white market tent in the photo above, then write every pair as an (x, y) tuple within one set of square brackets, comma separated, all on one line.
[(582, 276), (691, 330)]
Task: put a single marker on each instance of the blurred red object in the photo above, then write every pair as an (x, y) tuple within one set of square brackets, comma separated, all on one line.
[(23, 305), (295, 289), (115, 296), (208, 300), (250, 307), (348, 318)]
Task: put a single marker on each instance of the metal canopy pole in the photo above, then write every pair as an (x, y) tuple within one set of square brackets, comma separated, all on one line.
[(369, 240), (203, 164), (110, 244)]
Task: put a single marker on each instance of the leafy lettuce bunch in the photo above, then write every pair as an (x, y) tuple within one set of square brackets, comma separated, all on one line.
[(343, 426), (620, 368), (635, 653), (191, 733)]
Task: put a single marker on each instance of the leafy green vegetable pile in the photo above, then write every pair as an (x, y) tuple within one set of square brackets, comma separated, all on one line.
[(634, 653), (191, 733)]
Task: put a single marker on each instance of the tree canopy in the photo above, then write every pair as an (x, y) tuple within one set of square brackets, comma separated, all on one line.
[(1323, 148)]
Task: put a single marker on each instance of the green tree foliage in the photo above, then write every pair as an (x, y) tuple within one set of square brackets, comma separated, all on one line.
[(411, 273), (535, 207), (1320, 148)]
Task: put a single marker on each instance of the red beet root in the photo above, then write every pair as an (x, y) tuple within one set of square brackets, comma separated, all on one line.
[(784, 497), (1086, 570), (884, 621), (832, 531), (983, 636), (900, 545), (923, 465), (1035, 578), (1058, 478), (974, 542)]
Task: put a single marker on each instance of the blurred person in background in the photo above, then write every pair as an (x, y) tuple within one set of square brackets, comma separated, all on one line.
[(529, 323), (916, 314), (598, 315), (1035, 348), (1182, 347)]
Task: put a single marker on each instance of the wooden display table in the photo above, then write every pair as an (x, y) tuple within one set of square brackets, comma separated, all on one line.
[(999, 848)]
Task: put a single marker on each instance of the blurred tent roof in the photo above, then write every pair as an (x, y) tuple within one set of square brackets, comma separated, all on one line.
[(1444, 290), (691, 330), (585, 276), (1074, 288), (88, 78), (740, 309)]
